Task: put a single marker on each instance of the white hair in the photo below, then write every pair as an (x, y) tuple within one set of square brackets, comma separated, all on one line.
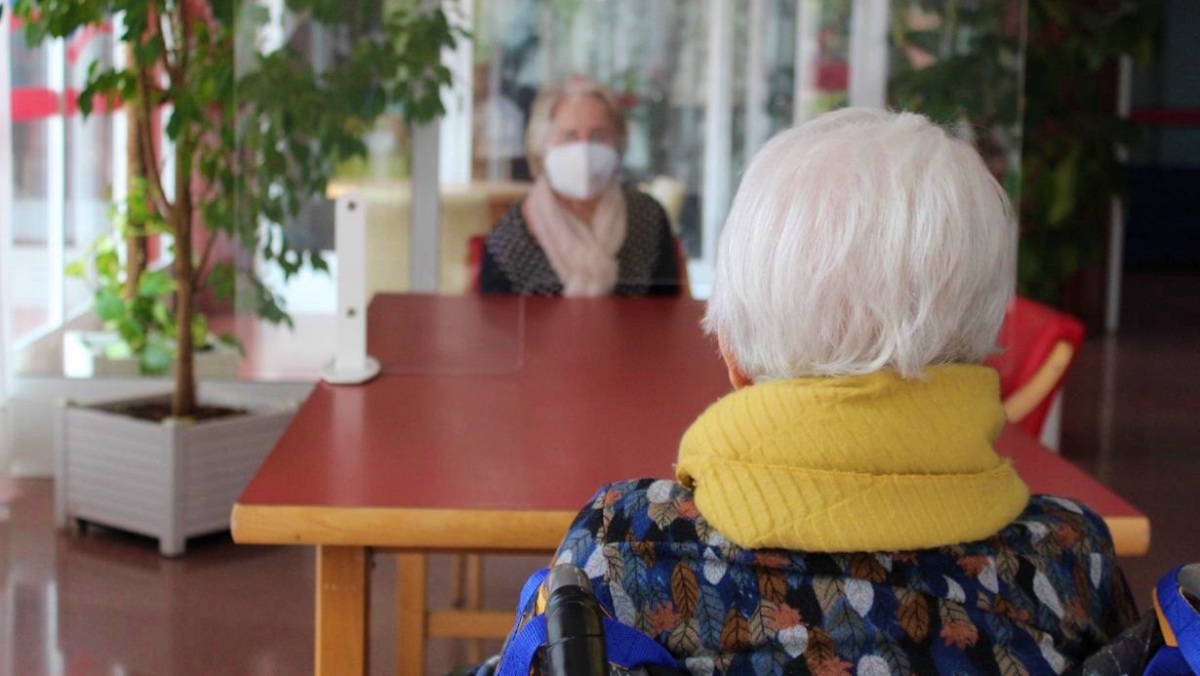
[(860, 241)]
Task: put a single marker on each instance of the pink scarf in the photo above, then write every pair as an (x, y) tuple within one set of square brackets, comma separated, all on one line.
[(584, 257)]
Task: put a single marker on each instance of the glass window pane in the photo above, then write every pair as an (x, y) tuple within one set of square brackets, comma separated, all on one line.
[(29, 294), (29, 64), (89, 175)]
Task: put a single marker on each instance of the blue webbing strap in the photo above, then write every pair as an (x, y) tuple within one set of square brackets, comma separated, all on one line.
[(625, 645), (1184, 622)]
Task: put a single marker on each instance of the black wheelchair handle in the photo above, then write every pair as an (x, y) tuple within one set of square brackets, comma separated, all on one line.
[(574, 626)]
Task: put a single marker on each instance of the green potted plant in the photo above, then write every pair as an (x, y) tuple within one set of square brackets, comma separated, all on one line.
[(1053, 103), (254, 134), (139, 327), (1070, 162)]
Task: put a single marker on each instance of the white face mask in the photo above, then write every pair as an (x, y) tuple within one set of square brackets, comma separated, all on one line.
[(581, 170)]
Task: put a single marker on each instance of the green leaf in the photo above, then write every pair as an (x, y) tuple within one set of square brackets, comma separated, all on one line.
[(222, 281), (200, 331), (230, 340), (117, 350), (76, 269), (154, 284), (160, 316), (156, 358), (1064, 180), (110, 307), (107, 264)]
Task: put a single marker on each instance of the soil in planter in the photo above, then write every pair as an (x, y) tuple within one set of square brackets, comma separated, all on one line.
[(160, 411)]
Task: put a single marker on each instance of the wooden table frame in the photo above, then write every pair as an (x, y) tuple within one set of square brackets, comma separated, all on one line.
[(349, 537), (343, 562), (338, 481)]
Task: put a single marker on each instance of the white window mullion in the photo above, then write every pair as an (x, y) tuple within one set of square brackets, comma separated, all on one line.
[(804, 91), (120, 126), (869, 53), (718, 126), (56, 188), (758, 125), (6, 197), (426, 206), (457, 124)]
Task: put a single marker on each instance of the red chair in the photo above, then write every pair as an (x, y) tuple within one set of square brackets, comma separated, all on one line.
[(1039, 344), (475, 247)]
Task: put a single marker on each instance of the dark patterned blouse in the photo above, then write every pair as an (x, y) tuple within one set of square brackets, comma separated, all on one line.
[(513, 262), (1035, 598)]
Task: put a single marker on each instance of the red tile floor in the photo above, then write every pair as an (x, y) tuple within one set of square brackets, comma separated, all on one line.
[(106, 603)]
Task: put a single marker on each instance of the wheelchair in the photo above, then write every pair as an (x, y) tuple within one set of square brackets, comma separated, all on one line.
[(563, 631)]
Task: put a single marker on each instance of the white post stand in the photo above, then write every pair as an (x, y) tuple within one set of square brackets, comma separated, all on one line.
[(350, 364)]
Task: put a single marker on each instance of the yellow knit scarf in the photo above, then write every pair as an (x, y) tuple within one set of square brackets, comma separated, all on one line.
[(862, 463)]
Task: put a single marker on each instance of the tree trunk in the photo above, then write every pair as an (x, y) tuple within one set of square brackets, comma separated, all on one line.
[(136, 245), (183, 405)]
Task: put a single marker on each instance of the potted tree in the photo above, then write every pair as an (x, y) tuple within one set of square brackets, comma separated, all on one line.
[(254, 134)]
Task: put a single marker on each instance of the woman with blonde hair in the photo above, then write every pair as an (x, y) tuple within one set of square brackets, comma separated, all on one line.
[(844, 509), (579, 232)]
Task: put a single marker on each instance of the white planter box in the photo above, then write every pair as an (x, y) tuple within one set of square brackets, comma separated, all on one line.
[(165, 480), (84, 356)]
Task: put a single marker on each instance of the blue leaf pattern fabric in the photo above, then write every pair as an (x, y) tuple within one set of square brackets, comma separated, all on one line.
[(1035, 598)]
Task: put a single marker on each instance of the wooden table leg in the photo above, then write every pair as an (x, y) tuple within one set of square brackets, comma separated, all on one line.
[(474, 600), (458, 580), (342, 591), (412, 613)]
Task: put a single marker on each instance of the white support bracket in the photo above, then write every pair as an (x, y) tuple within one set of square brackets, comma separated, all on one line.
[(351, 365)]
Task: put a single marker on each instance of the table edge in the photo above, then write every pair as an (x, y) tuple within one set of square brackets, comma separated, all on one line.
[(1130, 534), (477, 530), (398, 527)]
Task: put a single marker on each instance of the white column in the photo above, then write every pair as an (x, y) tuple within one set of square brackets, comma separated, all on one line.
[(426, 209), (804, 86), (869, 53), (426, 214), (758, 125), (56, 181), (718, 127), (1116, 208), (456, 131)]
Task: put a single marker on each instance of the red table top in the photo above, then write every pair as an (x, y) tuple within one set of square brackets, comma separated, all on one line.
[(529, 404)]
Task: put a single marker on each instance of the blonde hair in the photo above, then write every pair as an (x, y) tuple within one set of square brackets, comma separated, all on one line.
[(541, 119), (863, 240)]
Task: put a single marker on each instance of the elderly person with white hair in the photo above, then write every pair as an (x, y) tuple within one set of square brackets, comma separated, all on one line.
[(844, 509), (579, 232)]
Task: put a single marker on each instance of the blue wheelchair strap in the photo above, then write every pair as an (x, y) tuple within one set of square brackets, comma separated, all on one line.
[(530, 589), (625, 645), (1184, 622)]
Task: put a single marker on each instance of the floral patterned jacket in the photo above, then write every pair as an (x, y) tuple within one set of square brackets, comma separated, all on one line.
[(1035, 598)]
